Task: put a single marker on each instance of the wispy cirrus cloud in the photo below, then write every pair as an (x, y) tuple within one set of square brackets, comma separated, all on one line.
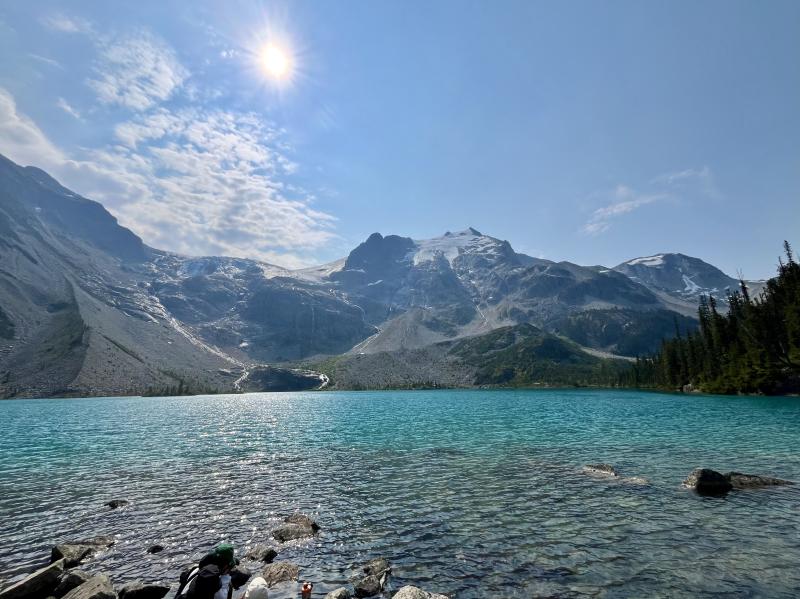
[(68, 108), (623, 201), (690, 179), (66, 23), (136, 71)]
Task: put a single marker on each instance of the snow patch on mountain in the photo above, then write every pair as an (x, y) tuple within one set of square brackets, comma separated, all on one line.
[(656, 260)]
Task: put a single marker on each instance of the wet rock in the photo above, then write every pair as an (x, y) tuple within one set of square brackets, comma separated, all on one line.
[(39, 584), (69, 580), (262, 553), (340, 593), (601, 469), (409, 592), (708, 482), (155, 548), (369, 586), (302, 520), (753, 481), (139, 590), (239, 576), (377, 567), (115, 503), (97, 587), (74, 552), (290, 532), (280, 572)]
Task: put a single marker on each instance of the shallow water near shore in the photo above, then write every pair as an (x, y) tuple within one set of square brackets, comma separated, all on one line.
[(468, 493)]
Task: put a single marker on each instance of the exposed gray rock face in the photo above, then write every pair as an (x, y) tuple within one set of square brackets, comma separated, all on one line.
[(261, 553), (280, 572), (97, 587), (369, 586), (139, 590), (69, 580), (601, 470), (411, 592), (708, 482), (39, 584), (753, 481), (115, 503), (340, 593)]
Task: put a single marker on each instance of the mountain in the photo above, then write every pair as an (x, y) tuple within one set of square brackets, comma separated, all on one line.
[(87, 308)]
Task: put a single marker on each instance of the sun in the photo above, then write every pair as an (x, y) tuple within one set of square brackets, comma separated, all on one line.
[(276, 62)]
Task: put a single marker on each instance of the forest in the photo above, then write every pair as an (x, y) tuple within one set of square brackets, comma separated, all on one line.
[(752, 347)]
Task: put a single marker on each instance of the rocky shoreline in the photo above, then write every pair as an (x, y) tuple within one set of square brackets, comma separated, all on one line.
[(64, 579)]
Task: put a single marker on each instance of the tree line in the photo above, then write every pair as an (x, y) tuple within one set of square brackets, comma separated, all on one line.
[(753, 348)]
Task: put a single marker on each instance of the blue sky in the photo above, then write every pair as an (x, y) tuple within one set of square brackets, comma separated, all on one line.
[(585, 131)]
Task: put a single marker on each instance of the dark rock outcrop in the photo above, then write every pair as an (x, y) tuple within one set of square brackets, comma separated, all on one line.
[(239, 576), (754, 481), (70, 580), (39, 584), (708, 482), (340, 593), (369, 586), (410, 592), (115, 503), (139, 590), (97, 587), (377, 573), (377, 567), (261, 553), (290, 532), (280, 572)]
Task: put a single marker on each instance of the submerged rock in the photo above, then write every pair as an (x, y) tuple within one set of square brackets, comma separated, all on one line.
[(280, 572), (409, 592), (97, 587), (39, 584), (708, 482), (601, 469), (261, 553), (70, 580), (115, 503), (753, 481), (290, 532), (302, 520), (155, 548), (139, 590), (340, 593)]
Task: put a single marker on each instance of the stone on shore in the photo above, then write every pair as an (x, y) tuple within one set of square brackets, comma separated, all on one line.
[(69, 580), (601, 470), (261, 553), (340, 593), (754, 481), (74, 552), (708, 482), (115, 503), (302, 520), (410, 592), (290, 532), (97, 587), (155, 548), (280, 572), (139, 590), (39, 584), (239, 576)]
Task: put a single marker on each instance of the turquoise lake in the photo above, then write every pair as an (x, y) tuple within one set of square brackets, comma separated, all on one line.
[(467, 493)]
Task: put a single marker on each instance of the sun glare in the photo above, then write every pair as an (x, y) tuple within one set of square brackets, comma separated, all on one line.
[(276, 62)]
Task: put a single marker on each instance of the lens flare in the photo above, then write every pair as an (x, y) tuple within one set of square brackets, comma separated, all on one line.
[(275, 62)]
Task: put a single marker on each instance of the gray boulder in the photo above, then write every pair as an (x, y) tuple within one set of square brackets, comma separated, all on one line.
[(261, 553), (39, 584), (290, 532), (409, 592), (340, 593), (139, 590), (74, 552), (280, 572), (69, 580), (708, 482), (97, 587), (302, 520), (601, 470), (369, 586), (753, 481), (377, 566)]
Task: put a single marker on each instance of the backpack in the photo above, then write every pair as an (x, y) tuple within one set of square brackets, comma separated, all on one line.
[(202, 583)]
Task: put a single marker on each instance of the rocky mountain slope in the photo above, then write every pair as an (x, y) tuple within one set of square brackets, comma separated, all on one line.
[(86, 308)]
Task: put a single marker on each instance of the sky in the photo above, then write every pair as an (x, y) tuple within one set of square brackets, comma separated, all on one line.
[(593, 132)]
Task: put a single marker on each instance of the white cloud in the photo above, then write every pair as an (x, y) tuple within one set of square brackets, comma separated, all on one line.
[(690, 180), (22, 140), (47, 61), (68, 108), (624, 200), (66, 23), (136, 71)]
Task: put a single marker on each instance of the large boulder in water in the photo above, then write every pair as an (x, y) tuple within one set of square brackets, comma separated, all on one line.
[(377, 567), (261, 553), (139, 590), (340, 593), (290, 532), (754, 481), (708, 482), (302, 520), (280, 572), (97, 587), (409, 592), (39, 584), (74, 552), (369, 586), (601, 470), (69, 580)]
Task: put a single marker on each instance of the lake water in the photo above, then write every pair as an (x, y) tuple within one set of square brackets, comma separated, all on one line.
[(468, 493)]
